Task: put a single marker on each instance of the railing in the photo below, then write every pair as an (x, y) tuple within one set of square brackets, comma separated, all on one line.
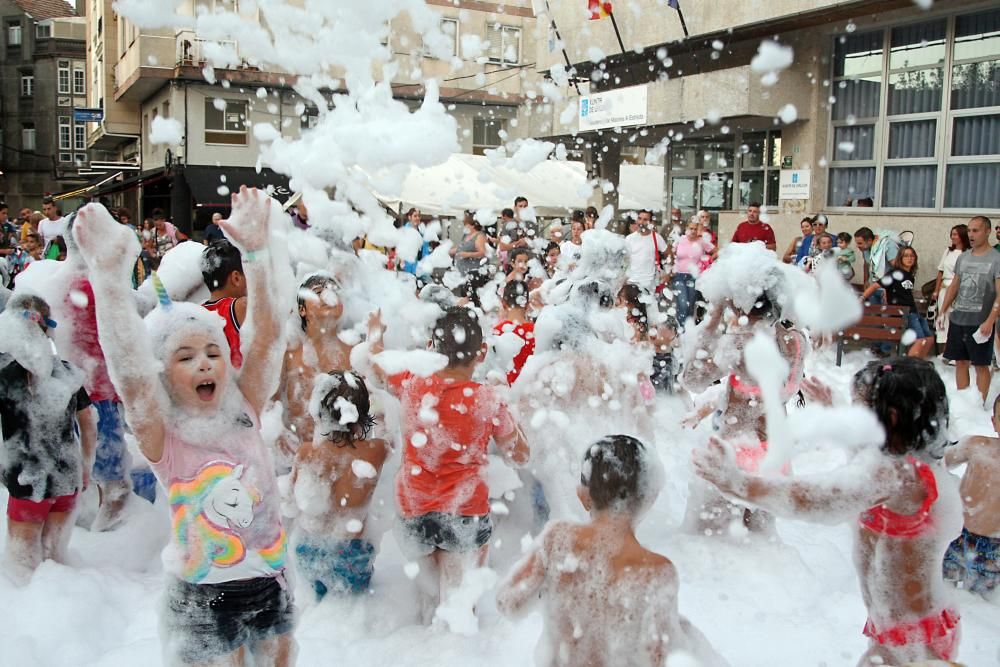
[(191, 48)]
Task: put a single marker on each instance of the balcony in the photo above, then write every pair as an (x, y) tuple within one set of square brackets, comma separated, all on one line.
[(148, 62)]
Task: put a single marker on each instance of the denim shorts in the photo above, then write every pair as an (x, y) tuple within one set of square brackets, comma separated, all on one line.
[(918, 324)]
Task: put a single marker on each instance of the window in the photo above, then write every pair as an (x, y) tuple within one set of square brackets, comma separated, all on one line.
[(28, 142), (27, 85), (65, 133), (760, 168), (80, 137), (43, 30), (65, 157), (505, 44), (929, 138), (166, 108), (13, 34), (450, 29), (227, 125), (79, 79), (81, 158), (309, 118), (487, 133), (62, 77)]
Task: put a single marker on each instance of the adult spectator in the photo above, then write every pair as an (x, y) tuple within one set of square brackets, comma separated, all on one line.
[(573, 248), (946, 274), (8, 233), (972, 306), (213, 232), (520, 203), (52, 228), (792, 253), (163, 237), (689, 254), (752, 229), (879, 251), (647, 250), (671, 230), (125, 218), (470, 254), (898, 285), (996, 246), (819, 229)]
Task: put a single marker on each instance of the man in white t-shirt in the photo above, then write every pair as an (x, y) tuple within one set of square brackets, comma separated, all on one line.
[(647, 250), (51, 227)]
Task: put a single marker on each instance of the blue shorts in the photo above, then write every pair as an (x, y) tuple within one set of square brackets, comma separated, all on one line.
[(111, 459), (918, 324), (974, 562), (341, 566)]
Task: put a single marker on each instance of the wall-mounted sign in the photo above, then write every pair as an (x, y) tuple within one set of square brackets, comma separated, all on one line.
[(786, 161), (794, 184), (88, 115), (613, 108)]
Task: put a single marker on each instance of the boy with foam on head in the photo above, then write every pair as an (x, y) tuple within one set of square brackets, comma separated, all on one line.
[(196, 420), (44, 464), (973, 559), (448, 421), (333, 478), (222, 271), (606, 599)]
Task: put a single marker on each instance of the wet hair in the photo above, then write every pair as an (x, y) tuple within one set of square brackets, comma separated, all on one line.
[(636, 310), (310, 284), (865, 233), (898, 262), (845, 237), (33, 303), (613, 471), (218, 261), (911, 390), (458, 335), (765, 309), (597, 292), (351, 388), (963, 235), (515, 294)]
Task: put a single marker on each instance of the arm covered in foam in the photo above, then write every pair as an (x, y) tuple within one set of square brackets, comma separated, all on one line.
[(110, 251)]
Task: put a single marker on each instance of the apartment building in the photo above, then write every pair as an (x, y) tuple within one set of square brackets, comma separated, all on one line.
[(42, 82), (896, 120), (140, 75)]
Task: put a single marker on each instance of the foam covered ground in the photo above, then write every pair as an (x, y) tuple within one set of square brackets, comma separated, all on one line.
[(795, 602)]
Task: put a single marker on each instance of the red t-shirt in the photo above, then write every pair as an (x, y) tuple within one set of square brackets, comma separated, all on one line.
[(747, 233), (226, 309), (86, 352), (526, 332), (447, 427)]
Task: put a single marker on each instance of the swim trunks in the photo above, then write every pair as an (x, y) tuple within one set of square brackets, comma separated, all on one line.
[(974, 562), (340, 566)]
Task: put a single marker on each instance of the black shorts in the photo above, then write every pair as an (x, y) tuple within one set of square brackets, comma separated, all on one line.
[(206, 621), (961, 347), (421, 535)]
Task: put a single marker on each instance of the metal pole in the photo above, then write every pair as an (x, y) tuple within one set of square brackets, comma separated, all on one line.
[(555, 28)]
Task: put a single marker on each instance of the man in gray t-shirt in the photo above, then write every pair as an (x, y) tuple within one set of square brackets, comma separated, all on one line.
[(974, 305)]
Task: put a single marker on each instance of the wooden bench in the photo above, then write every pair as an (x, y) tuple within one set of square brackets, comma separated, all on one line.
[(881, 324)]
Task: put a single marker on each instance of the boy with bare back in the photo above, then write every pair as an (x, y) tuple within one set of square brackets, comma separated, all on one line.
[(973, 558), (606, 599), (333, 478)]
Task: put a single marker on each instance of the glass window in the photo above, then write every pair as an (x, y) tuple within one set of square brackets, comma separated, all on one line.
[(28, 136), (752, 151), (65, 137), (975, 186), (450, 29), (79, 81), (854, 55), (977, 35), (505, 44), (909, 187), (43, 30), (224, 126), (27, 85), (80, 138), (65, 157), (487, 134), (912, 139), (717, 190), (976, 135), (857, 98), (975, 85), (849, 185), (63, 77), (854, 142), (13, 34), (915, 91), (917, 45)]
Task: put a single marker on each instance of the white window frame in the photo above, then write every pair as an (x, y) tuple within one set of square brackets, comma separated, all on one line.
[(65, 157), (79, 77), (29, 138), (65, 133), (503, 31), (223, 131), (80, 137), (64, 77), (43, 30), (454, 36), (15, 35), (945, 119), (27, 85)]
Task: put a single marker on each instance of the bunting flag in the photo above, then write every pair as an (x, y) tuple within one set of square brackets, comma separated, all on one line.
[(598, 9), (674, 4)]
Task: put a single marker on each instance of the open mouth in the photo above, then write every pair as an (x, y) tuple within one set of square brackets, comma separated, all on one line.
[(206, 390)]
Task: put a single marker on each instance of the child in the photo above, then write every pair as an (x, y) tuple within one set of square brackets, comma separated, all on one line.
[(222, 271), (447, 423), (514, 319), (904, 503), (606, 599), (333, 478), (43, 463), (973, 559), (845, 256), (196, 421)]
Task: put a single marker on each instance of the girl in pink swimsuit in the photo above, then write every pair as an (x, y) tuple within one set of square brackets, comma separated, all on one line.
[(905, 507)]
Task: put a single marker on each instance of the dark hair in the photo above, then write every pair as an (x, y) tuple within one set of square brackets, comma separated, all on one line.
[(806, 219), (412, 210), (507, 213), (613, 471), (753, 204), (910, 392), (350, 387), (218, 261), (517, 252), (158, 214), (898, 262), (592, 211), (310, 284), (470, 218), (578, 216), (519, 199), (866, 202), (515, 294), (551, 246), (47, 199), (637, 315), (646, 211), (865, 233), (963, 235), (33, 303), (983, 219), (597, 292), (458, 335), (764, 308), (845, 237)]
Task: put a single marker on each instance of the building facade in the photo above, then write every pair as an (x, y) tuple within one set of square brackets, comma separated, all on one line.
[(43, 74)]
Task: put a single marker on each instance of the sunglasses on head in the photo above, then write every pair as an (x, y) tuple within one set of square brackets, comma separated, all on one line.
[(38, 319)]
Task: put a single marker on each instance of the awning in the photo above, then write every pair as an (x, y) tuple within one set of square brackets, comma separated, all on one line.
[(210, 186), (86, 189)]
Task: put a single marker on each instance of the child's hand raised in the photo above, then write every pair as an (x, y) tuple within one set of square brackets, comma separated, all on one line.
[(248, 224), (816, 390), (104, 244), (716, 464)]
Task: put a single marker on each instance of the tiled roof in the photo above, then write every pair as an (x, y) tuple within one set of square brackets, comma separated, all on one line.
[(40, 10)]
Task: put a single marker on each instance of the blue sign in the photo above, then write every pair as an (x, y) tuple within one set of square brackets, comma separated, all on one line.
[(584, 107), (795, 178), (88, 115)]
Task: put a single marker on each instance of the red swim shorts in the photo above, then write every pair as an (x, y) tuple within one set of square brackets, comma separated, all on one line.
[(31, 511), (939, 632)]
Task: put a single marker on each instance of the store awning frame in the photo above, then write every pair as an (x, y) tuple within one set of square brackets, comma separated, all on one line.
[(83, 192), (205, 182)]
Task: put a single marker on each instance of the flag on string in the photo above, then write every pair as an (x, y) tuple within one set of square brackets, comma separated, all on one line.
[(674, 4), (598, 9)]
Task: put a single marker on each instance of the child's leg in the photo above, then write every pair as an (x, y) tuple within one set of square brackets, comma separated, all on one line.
[(55, 536), (275, 652), (24, 548), (452, 567)]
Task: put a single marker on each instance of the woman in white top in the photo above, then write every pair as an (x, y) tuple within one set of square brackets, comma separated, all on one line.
[(946, 273)]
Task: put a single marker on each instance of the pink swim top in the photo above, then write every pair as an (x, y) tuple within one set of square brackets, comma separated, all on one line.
[(883, 521), (752, 390)]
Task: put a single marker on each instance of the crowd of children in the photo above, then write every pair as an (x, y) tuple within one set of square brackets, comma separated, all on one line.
[(563, 391)]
